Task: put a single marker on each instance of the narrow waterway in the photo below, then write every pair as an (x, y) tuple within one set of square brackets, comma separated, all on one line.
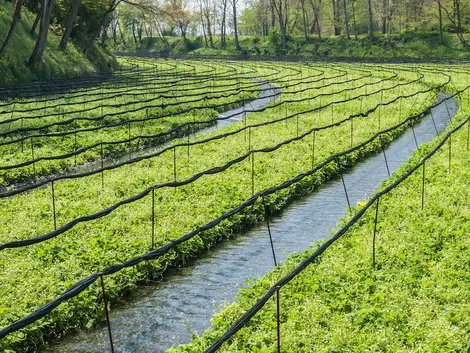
[(163, 314)]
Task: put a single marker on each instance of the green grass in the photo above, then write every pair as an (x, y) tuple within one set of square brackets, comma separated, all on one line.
[(55, 62), (417, 300)]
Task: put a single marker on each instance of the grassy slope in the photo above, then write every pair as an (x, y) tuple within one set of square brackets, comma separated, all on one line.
[(405, 45), (416, 300), (55, 62)]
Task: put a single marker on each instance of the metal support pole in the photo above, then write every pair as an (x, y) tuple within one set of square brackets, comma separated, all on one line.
[(450, 151), (32, 157), (468, 134), (352, 131), (252, 174), (53, 205), (278, 318), (297, 125), (313, 149), (266, 215), (375, 233), (249, 138), (447, 108), (174, 163), (129, 138), (108, 322), (102, 167), (434, 123), (423, 185), (414, 136), (153, 218), (345, 191)]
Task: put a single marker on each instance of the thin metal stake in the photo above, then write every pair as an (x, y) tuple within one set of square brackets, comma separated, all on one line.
[(313, 148), (22, 141), (375, 232), (32, 156), (53, 204), (252, 174), (174, 163), (278, 316), (108, 322), (450, 151), (76, 147), (344, 186), (352, 131), (153, 218), (468, 134), (102, 167), (414, 135), (249, 138), (434, 123), (297, 126), (447, 108), (266, 215), (129, 138), (422, 186)]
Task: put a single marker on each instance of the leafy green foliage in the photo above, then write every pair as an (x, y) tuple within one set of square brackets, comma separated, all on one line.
[(417, 298), (34, 275)]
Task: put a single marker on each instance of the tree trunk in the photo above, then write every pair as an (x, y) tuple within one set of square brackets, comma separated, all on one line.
[(204, 28), (346, 19), (112, 6), (304, 14), (70, 24), (354, 18), (133, 32), (371, 21), (115, 34), (441, 34), (36, 56), (209, 30), (140, 31), (35, 24), (223, 29), (384, 17), (235, 25), (459, 23), (14, 22), (337, 28), (120, 33), (316, 17), (104, 36)]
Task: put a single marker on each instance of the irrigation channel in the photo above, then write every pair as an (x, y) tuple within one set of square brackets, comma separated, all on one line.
[(162, 314)]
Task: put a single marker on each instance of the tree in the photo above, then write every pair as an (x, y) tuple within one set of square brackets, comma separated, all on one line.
[(206, 17), (14, 22), (316, 5), (177, 15), (235, 24), (346, 20), (223, 26), (370, 21), (70, 24), (305, 20), (281, 9), (441, 35), (38, 51)]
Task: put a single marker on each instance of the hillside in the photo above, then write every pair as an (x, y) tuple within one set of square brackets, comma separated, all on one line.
[(413, 45), (55, 62)]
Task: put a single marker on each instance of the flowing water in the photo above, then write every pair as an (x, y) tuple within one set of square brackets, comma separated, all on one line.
[(164, 313)]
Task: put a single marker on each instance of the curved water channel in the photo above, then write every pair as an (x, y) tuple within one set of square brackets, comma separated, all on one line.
[(162, 314)]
